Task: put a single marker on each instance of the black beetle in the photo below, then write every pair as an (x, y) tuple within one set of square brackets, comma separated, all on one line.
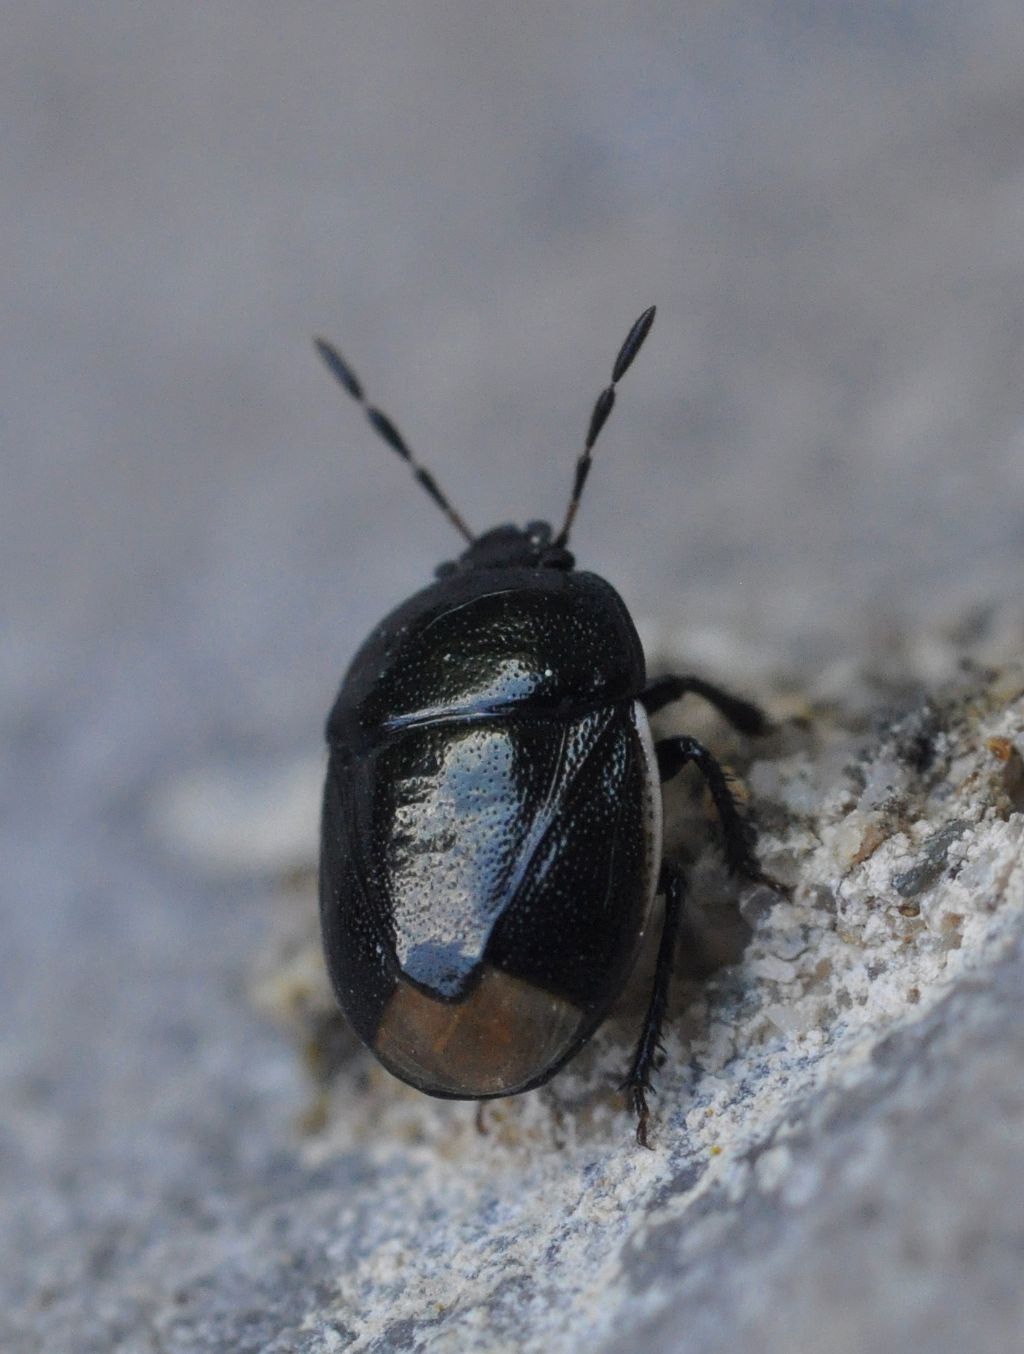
[(491, 831)]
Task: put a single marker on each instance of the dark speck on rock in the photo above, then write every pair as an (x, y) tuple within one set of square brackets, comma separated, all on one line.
[(930, 868)]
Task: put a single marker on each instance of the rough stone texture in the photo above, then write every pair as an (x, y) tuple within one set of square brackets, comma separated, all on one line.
[(813, 489), (838, 1112)]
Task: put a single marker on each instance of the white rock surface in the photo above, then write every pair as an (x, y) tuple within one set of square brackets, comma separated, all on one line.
[(836, 1142), (836, 1110)]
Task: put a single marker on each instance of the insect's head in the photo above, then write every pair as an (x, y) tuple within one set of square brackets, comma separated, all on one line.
[(511, 547), (506, 546)]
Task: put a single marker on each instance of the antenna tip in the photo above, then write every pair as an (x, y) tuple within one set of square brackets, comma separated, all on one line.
[(633, 343), (339, 368)]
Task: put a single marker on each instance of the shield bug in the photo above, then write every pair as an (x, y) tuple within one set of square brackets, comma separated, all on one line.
[(491, 832)]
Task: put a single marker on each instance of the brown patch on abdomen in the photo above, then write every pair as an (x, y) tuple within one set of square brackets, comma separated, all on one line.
[(498, 1040)]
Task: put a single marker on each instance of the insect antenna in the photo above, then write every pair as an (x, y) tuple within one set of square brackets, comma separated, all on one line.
[(603, 407), (384, 428)]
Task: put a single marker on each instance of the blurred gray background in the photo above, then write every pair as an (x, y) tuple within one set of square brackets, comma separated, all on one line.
[(825, 432)]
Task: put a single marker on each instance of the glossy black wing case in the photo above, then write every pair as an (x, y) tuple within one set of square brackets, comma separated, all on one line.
[(477, 879), (488, 860)]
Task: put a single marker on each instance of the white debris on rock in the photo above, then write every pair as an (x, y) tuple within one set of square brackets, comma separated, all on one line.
[(895, 816)]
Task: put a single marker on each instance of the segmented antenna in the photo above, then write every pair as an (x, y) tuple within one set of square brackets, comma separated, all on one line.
[(384, 428), (603, 407)]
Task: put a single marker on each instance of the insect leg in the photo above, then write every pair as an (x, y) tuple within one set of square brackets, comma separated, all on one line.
[(740, 714), (675, 753), (638, 1082)]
